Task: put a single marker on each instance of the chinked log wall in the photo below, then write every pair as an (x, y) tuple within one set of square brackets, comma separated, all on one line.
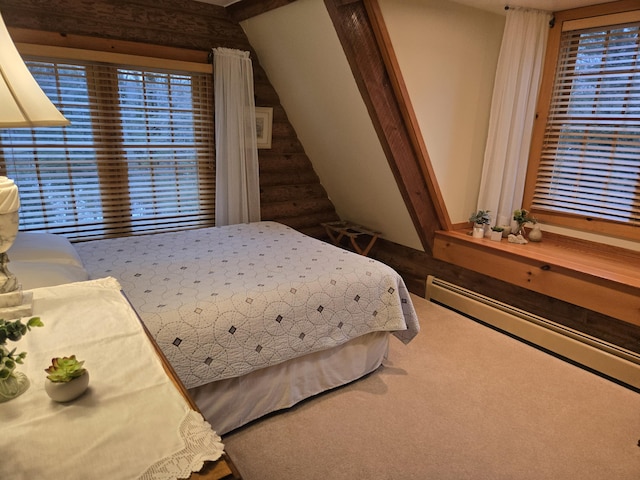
[(291, 192)]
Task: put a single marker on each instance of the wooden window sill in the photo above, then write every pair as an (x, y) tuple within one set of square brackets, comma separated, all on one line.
[(597, 277)]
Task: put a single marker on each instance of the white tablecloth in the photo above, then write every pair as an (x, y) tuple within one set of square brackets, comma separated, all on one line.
[(131, 422)]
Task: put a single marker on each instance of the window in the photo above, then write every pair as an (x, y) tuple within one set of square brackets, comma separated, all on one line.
[(585, 164), (137, 156)]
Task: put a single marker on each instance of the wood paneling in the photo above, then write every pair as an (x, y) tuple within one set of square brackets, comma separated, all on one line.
[(291, 192), (611, 288), (415, 266), (179, 23), (250, 8)]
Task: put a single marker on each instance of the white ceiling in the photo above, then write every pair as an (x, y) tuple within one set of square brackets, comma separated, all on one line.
[(547, 5), (496, 6)]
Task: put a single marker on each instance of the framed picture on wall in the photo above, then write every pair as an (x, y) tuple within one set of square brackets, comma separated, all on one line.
[(264, 121)]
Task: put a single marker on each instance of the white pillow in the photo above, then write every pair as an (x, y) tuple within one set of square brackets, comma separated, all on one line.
[(43, 247), (42, 274)]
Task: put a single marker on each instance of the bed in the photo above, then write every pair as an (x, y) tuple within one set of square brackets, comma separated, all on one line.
[(254, 317)]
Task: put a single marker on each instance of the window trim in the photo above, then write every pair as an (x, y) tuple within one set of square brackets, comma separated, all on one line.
[(97, 44), (155, 57), (542, 112), (66, 53)]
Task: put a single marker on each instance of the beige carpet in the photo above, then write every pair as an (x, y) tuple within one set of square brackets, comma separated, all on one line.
[(461, 401)]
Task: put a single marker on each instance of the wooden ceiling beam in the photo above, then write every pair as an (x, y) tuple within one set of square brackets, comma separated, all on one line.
[(368, 50), (246, 9)]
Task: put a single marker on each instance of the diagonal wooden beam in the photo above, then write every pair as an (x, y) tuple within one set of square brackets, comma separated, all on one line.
[(365, 40), (363, 36)]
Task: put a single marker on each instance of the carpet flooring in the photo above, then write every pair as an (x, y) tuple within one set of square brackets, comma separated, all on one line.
[(461, 401)]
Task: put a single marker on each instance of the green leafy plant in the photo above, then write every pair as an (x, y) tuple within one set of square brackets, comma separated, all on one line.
[(522, 216), (13, 331), (65, 369), (480, 217), (497, 229)]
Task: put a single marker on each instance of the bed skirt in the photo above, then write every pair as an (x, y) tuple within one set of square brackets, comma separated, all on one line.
[(231, 403)]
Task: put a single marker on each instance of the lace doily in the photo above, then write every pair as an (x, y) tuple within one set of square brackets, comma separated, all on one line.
[(201, 443)]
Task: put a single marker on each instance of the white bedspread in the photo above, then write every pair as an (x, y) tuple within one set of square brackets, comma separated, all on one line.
[(224, 301)]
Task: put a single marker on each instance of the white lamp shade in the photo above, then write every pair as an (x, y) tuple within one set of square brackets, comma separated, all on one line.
[(22, 101)]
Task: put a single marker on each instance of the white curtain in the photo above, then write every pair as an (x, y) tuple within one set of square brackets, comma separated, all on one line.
[(512, 113), (237, 185)]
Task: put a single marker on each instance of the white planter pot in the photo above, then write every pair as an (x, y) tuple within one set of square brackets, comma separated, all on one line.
[(478, 231), (67, 391), (496, 236)]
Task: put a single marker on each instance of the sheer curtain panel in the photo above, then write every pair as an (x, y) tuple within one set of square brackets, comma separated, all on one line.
[(512, 113), (237, 185)]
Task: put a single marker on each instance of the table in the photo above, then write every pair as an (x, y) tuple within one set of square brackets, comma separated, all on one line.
[(339, 230), (135, 410), (221, 469)]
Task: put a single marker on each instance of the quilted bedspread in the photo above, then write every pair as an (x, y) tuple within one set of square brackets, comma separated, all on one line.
[(224, 301)]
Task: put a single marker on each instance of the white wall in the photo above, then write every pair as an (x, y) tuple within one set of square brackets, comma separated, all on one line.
[(447, 53)]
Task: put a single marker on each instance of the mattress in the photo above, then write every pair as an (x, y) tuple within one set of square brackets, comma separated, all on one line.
[(223, 302)]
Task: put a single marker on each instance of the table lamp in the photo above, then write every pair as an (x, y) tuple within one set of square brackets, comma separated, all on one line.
[(23, 104)]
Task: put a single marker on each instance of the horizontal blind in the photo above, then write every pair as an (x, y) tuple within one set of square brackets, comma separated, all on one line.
[(136, 158), (590, 160)]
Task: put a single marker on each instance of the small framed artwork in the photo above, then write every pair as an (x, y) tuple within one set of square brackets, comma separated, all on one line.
[(264, 121)]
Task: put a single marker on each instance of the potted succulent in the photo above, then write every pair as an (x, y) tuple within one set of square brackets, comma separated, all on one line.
[(496, 233), (13, 383), (481, 220), (67, 379)]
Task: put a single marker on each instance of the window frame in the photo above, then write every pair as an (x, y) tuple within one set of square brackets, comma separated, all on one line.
[(126, 54), (584, 223)]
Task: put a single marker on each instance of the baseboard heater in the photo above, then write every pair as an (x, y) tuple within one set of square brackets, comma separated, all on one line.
[(610, 360)]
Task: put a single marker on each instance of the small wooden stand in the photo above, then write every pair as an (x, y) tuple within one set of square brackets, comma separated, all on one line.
[(338, 230)]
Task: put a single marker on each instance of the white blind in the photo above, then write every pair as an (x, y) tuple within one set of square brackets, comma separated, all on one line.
[(137, 157), (590, 160)]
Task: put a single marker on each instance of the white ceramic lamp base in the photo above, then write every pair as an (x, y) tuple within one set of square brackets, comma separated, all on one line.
[(8, 231)]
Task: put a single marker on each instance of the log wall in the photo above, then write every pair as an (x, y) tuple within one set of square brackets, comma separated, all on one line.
[(291, 192)]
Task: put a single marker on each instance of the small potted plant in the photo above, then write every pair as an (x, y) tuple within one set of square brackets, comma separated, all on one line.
[(481, 220), (496, 233), (522, 217), (13, 383), (67, 379)]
